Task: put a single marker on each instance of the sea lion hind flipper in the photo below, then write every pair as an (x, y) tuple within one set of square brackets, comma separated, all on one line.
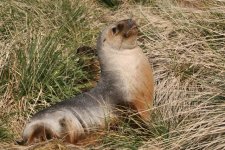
[(35, 132)]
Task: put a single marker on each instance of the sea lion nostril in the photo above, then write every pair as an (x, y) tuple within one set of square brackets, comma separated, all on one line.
[(131, 23), (130, 20)]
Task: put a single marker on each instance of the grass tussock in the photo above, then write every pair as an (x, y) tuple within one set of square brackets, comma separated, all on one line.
[(40, 64), (184, 40)]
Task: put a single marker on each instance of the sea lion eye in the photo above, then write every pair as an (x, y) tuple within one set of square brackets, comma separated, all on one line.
[(114, 30)]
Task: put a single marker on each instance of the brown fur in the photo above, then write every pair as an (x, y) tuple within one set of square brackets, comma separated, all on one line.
[(142, 98)]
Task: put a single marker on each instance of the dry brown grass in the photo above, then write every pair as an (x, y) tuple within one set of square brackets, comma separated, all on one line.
[(185, 42)]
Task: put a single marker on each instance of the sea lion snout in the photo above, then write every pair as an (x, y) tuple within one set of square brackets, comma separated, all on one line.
[(126, 25), (130, 28), (131, 23), (126, 28)]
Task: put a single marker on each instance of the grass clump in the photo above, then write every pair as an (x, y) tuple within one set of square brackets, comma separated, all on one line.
[(5, 134), (40, 64), (185, 44)]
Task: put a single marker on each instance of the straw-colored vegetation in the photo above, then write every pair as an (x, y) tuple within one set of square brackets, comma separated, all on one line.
[(185, 43)]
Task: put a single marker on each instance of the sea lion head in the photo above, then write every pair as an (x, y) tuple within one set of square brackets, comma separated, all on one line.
[(119, 36)]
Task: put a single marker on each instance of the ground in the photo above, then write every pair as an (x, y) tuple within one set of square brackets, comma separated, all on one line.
[(183, 39)]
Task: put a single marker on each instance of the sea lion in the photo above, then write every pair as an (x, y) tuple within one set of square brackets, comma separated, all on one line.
[(126, 78)]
